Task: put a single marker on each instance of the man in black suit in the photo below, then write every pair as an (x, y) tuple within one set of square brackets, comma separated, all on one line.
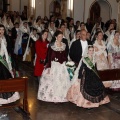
[(101, 23), (59, 21), (14, 33), (78, 47), (89, 25), (14, 30)]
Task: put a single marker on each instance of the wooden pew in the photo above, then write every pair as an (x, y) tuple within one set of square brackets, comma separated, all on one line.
[(13, 85), (110, 74)]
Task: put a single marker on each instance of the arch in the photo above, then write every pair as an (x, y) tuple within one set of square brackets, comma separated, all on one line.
[(107, 4), (95, 12), (55, 8)]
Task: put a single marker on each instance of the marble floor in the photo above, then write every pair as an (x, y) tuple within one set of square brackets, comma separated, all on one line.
[(40, 110)]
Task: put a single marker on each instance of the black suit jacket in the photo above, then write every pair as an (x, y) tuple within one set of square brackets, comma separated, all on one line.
[(76, 51), (102, 25), (14, 33), (57, 23), (89, 27)]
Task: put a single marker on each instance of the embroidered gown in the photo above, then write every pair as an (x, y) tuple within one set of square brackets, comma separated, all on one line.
[(101, 59), (101, 56), (55, 80), (87, 91), (114, 58), (5, 73)]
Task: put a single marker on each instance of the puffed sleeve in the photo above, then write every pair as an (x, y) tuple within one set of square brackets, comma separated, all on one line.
[(48, 64)]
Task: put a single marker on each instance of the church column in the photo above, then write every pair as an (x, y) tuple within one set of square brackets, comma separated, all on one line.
[(64, 8), (8, 5), (70, 8), (31, 7), (45, 7), (118, 20)]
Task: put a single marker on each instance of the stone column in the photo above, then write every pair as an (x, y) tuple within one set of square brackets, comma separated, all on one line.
[(31, 10), (64, 8), (118, 20)]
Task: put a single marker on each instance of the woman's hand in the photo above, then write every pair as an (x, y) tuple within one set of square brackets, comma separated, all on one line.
[(96, 49)]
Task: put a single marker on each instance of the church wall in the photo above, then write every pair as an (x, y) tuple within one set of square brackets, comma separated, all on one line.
[(105, 11), (113, 5), (23, 3), (15, 5), (47, 7), (40, 8), (78, 8)]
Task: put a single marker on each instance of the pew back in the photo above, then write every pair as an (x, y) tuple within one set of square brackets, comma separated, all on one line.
[(110, 74)]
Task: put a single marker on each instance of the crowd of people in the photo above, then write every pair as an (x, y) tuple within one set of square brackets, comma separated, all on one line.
[(49, 44)]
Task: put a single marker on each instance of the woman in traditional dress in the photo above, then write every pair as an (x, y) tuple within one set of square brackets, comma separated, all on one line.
[(38, 25), (114, 56), (30, 49), (87, 90), (41, 46), (24, 28), (55, 80), (100, 52), (8, 23), (5, 69)]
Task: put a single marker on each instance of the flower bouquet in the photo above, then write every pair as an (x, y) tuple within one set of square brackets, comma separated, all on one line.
[(71, 68)]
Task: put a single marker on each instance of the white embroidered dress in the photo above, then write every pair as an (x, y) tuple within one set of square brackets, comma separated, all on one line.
[(55, 84)]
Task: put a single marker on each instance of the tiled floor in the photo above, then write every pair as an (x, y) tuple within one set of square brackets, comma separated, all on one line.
[(63, 111)]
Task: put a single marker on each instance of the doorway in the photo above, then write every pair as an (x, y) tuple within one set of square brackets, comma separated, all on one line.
[(55, 8), (95, 12), (100, 8)]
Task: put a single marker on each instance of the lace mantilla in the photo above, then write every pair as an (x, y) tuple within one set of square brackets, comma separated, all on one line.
[(56, 48)]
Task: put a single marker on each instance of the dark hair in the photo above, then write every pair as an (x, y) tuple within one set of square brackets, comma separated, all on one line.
[(90, 46), (24, 22), (82, 23), (77, 31), (77, 21), (58, 33), (116, 32), (98, 29), (16, 23), (96, 34), (8, 17), (34, 29), (1, 25), (38, 19), (62, 25), (43, 31)]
